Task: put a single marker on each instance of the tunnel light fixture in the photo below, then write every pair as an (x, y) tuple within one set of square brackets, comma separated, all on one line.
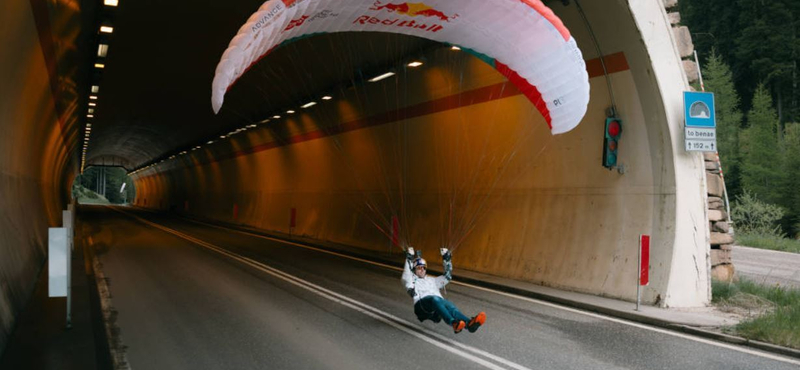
[(264, 121), (327, 97), (456, 48), (99, 65), (251, 126), (93, 97), (210, 142), (92, 104), (91, 110), (106, 29), (290, 112), (90, 116), (381, 77), (88, 125), (309, 104), (88, 129), (414, 64), (276, 117), (102, 50), (111, 2), (95, 89), (222, 136)]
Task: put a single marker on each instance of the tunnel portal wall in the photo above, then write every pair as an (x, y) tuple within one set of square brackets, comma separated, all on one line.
[(428, 150)]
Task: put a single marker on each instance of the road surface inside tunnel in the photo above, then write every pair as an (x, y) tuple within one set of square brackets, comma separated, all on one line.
[(192, 296)]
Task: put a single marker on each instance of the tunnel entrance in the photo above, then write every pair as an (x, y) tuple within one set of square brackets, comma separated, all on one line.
[(104, 185)]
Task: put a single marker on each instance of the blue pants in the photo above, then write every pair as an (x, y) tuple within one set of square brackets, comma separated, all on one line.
[(437, 308)]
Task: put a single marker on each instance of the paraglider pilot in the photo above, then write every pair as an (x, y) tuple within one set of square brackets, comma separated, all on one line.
[(428, 301)]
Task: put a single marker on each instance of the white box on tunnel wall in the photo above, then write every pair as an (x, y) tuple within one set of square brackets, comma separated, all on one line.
[(58, 261)]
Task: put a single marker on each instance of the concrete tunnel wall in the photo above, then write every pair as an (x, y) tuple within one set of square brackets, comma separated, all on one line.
[(36, 163), (556, 217)]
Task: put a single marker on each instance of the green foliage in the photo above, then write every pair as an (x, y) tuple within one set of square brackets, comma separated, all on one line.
[(719, 80), (780, 321), (790, 177), (114, 178), (760, 160), (771, 240), (759, 41), (722, 291), (751, 215)]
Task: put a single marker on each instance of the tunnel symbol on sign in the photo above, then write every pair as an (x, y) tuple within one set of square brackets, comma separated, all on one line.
[(699, 110)]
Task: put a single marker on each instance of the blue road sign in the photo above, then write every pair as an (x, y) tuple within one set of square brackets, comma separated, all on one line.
[(698, 109)]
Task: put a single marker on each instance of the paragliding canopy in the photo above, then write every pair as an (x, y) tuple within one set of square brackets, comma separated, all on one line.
[(522, 39)]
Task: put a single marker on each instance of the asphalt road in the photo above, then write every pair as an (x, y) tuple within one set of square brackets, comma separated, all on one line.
[(190, 296), (766, 266)]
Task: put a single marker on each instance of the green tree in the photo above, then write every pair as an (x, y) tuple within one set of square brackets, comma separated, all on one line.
[(765, 47), (758, 39), (790, 181), (114, 178), (719, 80), (760, 159)]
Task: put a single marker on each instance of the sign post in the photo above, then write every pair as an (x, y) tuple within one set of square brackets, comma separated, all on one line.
[(644, 267), (701, 122)]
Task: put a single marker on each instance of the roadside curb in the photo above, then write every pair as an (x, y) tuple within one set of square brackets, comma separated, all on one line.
[(630, 316), (767, 347), (117, 349)]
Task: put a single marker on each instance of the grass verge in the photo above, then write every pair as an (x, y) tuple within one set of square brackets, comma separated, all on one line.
[(773, 312), (86, 196), (768, 241)]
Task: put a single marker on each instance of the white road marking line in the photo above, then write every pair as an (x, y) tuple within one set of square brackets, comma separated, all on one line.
[(385, 317), (533, 300)]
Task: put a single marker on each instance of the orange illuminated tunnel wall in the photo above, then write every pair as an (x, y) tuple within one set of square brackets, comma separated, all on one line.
[(37, 146), (542, 204)]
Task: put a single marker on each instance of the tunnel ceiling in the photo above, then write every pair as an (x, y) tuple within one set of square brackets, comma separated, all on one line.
[(155, 89)]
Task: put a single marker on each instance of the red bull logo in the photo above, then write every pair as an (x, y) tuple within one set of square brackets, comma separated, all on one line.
[(413, 10), (296, 23)]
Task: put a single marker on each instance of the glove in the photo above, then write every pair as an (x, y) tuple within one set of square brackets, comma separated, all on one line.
[(445, 254), (410, 254)]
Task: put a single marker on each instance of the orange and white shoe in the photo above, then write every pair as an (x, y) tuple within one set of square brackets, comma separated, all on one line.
[(458, 326), (476, 322)]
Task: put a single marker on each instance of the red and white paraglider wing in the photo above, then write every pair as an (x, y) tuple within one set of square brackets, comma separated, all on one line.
[(523, 38)]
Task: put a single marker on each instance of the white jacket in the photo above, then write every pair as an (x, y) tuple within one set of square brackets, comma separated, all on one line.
[(419, 288)]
